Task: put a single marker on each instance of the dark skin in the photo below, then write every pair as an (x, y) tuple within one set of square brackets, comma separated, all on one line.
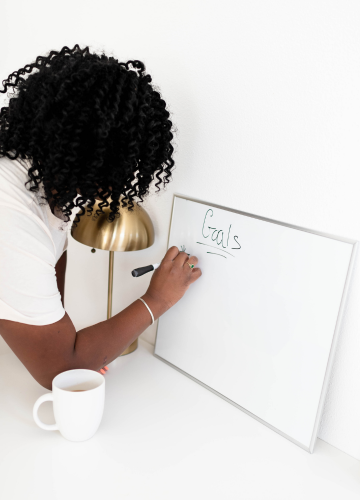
[(48, 350), (60, 269)]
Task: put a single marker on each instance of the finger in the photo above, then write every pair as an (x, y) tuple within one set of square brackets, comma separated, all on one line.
[(181, 258), (171, 253), (191, 260), (195, 274)]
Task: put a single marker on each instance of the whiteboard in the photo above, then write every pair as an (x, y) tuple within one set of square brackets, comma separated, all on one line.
[(259, 327)]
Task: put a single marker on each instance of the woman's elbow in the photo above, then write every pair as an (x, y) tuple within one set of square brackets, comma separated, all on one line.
[(44, 381)]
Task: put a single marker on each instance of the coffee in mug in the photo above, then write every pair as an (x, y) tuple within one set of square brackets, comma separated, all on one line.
[(77, 416)]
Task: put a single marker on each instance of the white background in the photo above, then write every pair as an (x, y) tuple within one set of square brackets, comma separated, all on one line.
[(265, 98)]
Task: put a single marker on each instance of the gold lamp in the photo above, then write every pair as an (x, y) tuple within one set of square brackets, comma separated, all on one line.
[(133, 230)]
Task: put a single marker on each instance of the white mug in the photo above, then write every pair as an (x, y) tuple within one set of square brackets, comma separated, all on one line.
[(77, 414)]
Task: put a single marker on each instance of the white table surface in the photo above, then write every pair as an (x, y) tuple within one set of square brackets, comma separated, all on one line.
[(162, 436)]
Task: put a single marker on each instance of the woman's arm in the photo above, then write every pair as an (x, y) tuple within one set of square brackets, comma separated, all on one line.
[(51, 349), (60, 269)]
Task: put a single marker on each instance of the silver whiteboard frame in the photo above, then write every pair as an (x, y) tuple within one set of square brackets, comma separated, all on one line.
[(329, 365)]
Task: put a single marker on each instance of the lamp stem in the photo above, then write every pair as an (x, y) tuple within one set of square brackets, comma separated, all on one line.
[(110, 286)]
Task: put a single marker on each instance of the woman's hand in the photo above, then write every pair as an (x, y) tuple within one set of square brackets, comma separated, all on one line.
[(170, 280)]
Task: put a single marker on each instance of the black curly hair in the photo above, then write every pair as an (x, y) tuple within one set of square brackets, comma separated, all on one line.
[(91, 123)]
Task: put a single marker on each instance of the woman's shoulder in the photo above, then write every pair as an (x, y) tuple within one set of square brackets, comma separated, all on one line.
[(13, 176), (21, 231)]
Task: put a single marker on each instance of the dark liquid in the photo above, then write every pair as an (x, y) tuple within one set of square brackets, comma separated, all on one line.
[(78, 390)]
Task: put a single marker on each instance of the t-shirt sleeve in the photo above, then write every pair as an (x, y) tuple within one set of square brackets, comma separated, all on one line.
[(28, 285), (66, 244)]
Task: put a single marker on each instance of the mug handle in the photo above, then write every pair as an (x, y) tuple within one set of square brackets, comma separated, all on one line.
[(42, 399)]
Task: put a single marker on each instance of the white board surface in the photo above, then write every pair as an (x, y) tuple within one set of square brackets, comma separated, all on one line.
[(259, 326)]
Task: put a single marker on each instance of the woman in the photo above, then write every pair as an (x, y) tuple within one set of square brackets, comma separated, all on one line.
[(80, 128)]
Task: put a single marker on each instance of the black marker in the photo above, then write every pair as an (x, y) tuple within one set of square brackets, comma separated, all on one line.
[(139, 271), (143, 270)]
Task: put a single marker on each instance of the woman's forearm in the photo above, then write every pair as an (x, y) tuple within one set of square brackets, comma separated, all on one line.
[(97, 345)]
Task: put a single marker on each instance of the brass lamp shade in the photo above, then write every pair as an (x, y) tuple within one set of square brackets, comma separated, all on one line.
[(133, 230)]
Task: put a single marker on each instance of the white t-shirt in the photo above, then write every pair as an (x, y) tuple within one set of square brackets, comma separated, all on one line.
[(32, 240)]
